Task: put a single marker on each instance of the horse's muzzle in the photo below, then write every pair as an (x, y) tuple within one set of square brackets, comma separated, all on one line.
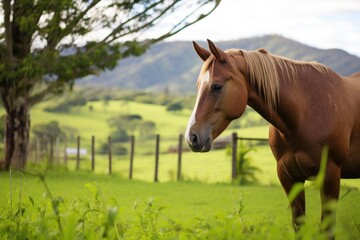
[(198, 144)]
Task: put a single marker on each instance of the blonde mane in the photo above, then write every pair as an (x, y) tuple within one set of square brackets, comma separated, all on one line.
[(263, 71)]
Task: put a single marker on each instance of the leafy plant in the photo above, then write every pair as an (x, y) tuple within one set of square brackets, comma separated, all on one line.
[(245, 171)]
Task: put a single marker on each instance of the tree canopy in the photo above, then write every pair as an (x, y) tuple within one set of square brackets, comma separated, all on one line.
[(46, 45)]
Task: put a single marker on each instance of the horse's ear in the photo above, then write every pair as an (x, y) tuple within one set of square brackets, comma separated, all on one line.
[(217, 52), (202, 52), (262, 50)]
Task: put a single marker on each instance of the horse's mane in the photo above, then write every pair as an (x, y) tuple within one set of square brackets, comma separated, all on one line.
[(263, 70)]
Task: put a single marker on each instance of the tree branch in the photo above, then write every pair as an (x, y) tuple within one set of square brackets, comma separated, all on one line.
[(170, 33), (121, 26), (77, 19), (41, 95)]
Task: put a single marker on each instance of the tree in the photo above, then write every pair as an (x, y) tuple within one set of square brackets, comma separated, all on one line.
[(128, 124), (174, 107), (51, 130), (67, 104), (46, 45)]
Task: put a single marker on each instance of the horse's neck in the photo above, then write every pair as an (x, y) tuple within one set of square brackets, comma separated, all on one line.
[(285, 115), (256, 102)]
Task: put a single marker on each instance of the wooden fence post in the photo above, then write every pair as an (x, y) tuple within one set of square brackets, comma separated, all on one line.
[(51, 155), (156, 179), (37, 151), (233, 156), (65, 153), (110, 155), (93, 153), (132, 146), (57, 150), (78, 154), (179, 157)]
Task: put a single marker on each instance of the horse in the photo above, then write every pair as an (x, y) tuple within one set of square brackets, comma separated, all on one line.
[(308, 106)]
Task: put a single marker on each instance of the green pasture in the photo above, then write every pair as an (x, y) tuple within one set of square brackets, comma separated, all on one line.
[(185, 210), (210, 167), (204, 205), (94, 122)]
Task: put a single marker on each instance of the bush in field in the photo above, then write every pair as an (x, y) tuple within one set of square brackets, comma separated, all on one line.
[(245, 171), (131, 124), (174, 107), (116, 148), (67, 104)]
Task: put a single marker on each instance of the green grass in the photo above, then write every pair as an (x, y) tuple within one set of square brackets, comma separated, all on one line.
[(210, 167), (178, 210), (89, 123), (185, 210)]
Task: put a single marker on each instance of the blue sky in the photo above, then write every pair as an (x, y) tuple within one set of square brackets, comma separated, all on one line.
[(319, 23)]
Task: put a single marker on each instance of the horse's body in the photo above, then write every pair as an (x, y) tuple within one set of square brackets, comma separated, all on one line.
[(307, 104)]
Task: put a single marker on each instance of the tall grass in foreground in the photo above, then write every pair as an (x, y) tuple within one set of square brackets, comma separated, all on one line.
[(101, 217)]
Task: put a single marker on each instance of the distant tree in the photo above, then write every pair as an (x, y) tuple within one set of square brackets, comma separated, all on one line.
[(116, 148), (67, 104), (127, 124), (46, 45), (51, 129), (120, 135), (174, 107)]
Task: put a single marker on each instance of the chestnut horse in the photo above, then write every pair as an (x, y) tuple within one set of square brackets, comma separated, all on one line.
[(307, 105)]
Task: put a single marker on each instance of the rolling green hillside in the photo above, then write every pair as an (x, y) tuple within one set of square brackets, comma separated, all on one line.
[(174, 66)]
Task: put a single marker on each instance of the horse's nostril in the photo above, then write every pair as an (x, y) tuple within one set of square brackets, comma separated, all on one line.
[(194, 140)]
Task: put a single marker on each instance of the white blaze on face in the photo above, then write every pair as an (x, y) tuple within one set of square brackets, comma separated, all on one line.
[(205, 77)]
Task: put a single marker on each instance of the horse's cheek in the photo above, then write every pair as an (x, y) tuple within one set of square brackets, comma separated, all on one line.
[(237, 104)]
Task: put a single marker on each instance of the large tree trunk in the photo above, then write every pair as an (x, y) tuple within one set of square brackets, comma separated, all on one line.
[(17, 129)]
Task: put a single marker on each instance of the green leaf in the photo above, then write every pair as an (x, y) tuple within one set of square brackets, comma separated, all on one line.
[(319, 180), (295, 191)]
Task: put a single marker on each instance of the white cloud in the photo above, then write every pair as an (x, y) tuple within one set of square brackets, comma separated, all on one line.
[(320, 23)]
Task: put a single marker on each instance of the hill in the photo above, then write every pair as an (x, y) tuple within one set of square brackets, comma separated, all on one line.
[(174, 66)]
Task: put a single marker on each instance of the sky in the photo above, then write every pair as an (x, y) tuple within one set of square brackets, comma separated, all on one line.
[(318, 23)]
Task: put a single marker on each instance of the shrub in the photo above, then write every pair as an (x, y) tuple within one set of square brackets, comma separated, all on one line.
[(245, 171)]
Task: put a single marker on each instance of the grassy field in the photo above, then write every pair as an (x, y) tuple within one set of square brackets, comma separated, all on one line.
[(211, 167), (186, 210), (85, 205), (94, 122)]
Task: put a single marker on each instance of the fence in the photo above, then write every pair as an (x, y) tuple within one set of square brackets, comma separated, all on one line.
[(52, 150)]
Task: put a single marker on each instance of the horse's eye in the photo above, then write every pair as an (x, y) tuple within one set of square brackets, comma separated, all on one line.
[(216, 88)]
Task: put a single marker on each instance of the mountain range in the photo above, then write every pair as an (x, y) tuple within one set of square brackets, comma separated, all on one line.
[(174, 66)]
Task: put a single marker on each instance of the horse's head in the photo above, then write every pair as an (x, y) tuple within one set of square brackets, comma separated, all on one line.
[(222, 94)]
